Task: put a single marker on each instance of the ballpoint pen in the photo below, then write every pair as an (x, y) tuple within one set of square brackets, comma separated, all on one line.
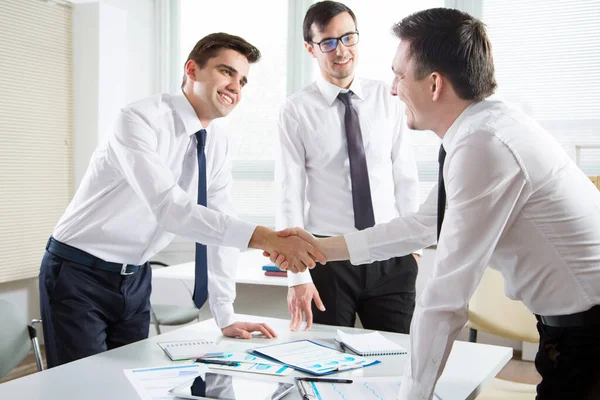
[(328, 380), (302, 390), (348, 367), (218, 362)]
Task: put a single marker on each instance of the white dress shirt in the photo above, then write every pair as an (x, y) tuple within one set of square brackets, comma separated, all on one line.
[(140, 190), (515, 202), (313, 171)]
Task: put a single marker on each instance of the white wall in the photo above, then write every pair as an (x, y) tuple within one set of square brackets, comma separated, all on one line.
[(113, 65)]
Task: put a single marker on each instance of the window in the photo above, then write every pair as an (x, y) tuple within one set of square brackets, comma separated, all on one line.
[(252, 126), (547, 61)]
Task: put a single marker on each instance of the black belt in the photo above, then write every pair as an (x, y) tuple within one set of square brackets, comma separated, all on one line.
[(584, 318), (81, 257)]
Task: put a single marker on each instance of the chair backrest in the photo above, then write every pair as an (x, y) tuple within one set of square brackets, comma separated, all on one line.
[(14, 337), (492, 312)]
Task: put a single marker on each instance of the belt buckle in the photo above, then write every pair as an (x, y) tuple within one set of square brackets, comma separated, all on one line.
[(124, 270)]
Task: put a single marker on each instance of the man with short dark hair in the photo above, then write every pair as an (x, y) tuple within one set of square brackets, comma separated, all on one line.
[(346, 164), (162, 171), (508, 197)]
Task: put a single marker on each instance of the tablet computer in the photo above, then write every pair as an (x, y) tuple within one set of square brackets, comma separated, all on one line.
[(227, 387)]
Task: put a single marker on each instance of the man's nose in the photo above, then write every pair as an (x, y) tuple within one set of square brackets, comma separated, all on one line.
[(393, 89)]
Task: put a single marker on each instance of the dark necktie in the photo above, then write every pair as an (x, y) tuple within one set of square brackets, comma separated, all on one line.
[(441, 192), (201, 276), (359, 175)]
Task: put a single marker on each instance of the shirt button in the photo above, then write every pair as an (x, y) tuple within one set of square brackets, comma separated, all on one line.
[(434, 361)]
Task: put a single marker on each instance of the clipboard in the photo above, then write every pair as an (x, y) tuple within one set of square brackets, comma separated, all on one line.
[(380, 388), (325, 360)]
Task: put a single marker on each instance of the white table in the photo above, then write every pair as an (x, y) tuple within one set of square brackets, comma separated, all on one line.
[(249, 271), (101, 377), (257, 294)]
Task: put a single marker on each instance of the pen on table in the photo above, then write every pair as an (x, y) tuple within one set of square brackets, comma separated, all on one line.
[(328, 380), (302, 390), (218, 362)]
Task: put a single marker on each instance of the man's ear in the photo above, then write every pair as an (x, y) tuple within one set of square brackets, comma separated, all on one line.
[(190, 70), (436, 84), (309, 47)]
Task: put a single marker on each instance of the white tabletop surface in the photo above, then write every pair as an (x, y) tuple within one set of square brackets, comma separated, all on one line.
[(249, 270), (101, 377)]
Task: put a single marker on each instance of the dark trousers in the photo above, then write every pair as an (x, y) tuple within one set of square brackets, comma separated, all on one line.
[(382, 293), (568, 360), (86, 311)]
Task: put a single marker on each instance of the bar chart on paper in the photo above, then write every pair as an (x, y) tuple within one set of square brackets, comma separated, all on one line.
[(359, 390)]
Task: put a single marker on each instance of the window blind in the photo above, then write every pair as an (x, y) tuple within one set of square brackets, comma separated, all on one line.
[(547, 61), (36, 159)]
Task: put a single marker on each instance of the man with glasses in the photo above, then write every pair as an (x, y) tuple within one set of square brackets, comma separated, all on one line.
[(345, 164)]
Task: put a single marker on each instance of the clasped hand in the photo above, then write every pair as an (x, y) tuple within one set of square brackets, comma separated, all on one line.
[(295, 250)]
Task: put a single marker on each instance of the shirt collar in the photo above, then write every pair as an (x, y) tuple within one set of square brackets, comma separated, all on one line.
[(452, 132), (329, 91), (186, 113)]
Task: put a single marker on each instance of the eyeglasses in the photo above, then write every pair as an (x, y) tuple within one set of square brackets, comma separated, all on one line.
[(329, 45)]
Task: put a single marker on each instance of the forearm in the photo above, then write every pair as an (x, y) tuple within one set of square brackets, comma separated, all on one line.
[(334, 248), (262, 239)]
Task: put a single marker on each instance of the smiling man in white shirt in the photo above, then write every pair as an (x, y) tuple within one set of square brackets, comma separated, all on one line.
[(345, 163), (163, 170), (514, 201)]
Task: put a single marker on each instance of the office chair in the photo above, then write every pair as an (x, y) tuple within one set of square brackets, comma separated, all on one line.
[(492, 312), (171, 315), (16, 339)]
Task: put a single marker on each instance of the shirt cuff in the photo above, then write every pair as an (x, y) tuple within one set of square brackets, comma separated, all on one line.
[(358, 247), (238, 233), (419, 252), (223, 314), (300, 278)]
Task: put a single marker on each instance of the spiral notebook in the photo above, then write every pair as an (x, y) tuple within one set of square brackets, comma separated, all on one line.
[(190, 349), (369, 344)]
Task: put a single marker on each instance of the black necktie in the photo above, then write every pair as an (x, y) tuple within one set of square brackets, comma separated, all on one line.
[(359, 175), (201, 276), (441, 192)]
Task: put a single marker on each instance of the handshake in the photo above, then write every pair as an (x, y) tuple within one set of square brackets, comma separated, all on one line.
[(291, 249)]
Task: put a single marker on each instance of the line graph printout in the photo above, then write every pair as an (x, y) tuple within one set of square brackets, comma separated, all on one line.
[(381, 388), (384, 389)]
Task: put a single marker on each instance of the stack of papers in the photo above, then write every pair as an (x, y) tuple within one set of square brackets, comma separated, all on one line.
[(311, 357), (249, 363), (380, 388), (365, 389), (155, 383)]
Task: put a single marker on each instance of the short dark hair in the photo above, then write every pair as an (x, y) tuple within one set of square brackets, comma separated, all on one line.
[(453, 43), (320, 14), (209, 46)]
